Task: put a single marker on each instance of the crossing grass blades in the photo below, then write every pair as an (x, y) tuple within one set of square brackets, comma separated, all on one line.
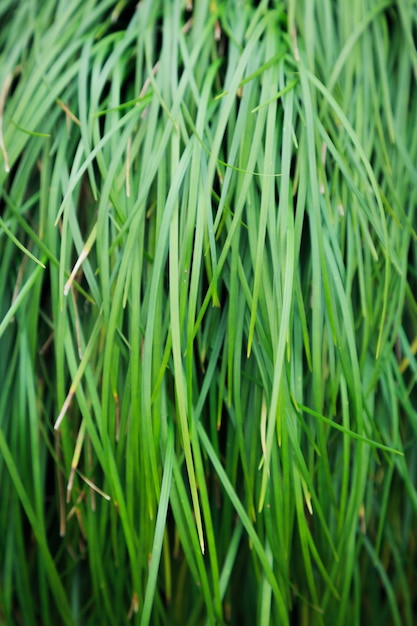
[(207, 312)]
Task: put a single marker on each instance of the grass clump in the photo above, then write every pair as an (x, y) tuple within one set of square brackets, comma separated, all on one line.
[(207, 312)]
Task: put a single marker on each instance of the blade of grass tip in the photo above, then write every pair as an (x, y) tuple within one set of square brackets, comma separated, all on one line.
[(187, 533), (83, 255), (94, 428), (195, 251), (314, 502), (358, 31), (233, 314), (230, 559), (258, 72), (279, 352), (93, 486), (19, 211), (349, 432), (79, 169), (157, 91), (211, 538), (346, 455), (179, 377), (80, 371), (23, 292), (277, 96), (196, 237), (32, 133), (83, 100), (144, 429), (256, 17), (225, 111), (128, 274), (303, 532), (380, 224), (159, 529), (66, 240), (19, 245), (129, 104), (211, 371), (320, 277), (279, 514), (240, 205), (285, 213), (76, 457), (156, 281), (209, 383), (270, 79), (240, 409)]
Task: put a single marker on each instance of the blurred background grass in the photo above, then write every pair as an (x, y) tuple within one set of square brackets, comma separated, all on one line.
[(207, 312)]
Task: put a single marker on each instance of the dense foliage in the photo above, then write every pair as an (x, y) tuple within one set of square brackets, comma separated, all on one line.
[(208, 324)]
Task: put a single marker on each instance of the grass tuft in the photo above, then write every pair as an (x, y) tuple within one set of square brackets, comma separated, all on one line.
[(207, 312)]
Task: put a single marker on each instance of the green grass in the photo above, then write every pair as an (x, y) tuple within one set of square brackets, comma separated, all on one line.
[(207, 314)]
